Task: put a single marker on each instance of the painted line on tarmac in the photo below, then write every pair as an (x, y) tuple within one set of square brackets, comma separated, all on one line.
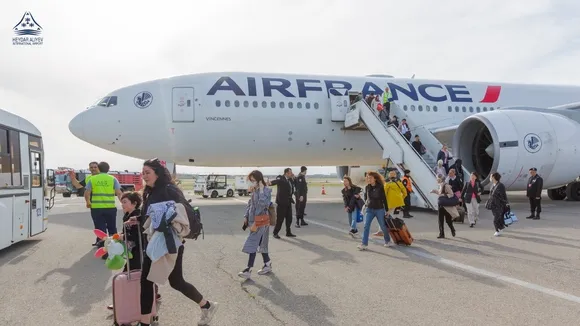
[(471, 269)]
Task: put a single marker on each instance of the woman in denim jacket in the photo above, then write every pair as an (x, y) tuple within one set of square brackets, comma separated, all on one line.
[(257, 240)]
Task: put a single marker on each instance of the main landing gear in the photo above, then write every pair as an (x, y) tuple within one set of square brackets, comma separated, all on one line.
[(571, 192)]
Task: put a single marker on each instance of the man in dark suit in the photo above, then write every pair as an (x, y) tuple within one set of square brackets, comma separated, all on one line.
[(284, 201), (301, 195), (534, 193)]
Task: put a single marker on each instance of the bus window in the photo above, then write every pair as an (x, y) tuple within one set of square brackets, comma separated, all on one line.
[(34, 142), (36, 169), (5, 169), (14, 142)]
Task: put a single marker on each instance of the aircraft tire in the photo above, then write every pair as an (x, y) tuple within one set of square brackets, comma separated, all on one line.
[(557, 193), (573, 191)]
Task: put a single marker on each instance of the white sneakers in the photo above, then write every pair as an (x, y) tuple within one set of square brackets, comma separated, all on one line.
[(362, 247), (497, 233), (266, 269), (207, 314), (247, 273)]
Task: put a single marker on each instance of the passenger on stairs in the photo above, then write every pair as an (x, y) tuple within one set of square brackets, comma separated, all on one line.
[(418, 145), (394, 121), (455, 183), (376, 204), (387, 101), (459, 170), (440, 169), (352, 200), (405, 130), (445, 156)]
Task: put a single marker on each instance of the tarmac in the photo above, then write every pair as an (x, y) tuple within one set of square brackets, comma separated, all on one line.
[(527, 276)]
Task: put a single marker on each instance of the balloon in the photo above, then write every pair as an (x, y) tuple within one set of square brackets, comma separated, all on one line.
[(100, 253), (115, 262), (100, 234), (115, 248)]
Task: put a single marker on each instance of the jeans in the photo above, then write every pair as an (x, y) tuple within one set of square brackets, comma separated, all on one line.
[(105, 219), (352, 220), (380, 215)]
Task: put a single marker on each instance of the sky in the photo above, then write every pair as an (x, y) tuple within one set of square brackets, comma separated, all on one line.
[(91, 48)]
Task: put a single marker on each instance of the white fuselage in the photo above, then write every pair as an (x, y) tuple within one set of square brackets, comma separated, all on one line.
[(245, 119)]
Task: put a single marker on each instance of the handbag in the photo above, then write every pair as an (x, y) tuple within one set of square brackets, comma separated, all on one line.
[(262, 220), (359, 215), (448, 202)]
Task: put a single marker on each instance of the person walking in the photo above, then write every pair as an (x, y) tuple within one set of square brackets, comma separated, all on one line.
[(497, 203), (352, 201), (471, 196), (284, 201), (376, 202), (159, 188), (257, 240), (447, 206)]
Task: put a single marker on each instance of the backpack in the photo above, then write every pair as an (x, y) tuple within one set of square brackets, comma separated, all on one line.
[(193, 215), (195, 225)]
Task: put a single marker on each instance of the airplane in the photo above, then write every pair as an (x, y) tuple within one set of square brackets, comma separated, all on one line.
[(244, 119)]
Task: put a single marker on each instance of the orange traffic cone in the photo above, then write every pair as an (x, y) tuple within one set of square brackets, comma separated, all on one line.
[(323, 191)]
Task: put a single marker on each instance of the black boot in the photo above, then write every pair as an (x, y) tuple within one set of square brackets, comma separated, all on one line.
[(537, 217), (531, 216)]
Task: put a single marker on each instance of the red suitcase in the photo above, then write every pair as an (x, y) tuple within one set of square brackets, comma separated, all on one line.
[(398, 231), (127, 294)]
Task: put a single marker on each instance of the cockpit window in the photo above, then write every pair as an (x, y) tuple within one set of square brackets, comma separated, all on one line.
[(107, 101)]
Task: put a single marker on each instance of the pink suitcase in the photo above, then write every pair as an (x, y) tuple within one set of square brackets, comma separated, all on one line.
[(127, 295)]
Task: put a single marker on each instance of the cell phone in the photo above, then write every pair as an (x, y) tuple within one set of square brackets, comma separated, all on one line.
[(244, 226)]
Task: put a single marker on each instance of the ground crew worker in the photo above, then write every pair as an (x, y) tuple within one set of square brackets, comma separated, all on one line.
[(386, 101), (100, 194), (301, 195), (409, 186), (94, 168), (534, 193)]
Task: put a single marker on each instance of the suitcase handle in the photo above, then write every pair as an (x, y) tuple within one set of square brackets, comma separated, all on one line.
[(127, 249)]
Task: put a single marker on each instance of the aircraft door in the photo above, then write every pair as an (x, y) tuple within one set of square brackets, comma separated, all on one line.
[(37, 205), (339, 104), (183, 106)]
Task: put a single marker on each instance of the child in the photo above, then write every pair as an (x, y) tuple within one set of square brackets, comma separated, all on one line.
[(131, 204)]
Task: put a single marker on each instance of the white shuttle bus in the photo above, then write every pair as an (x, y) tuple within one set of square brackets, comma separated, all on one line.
[(23, 184)]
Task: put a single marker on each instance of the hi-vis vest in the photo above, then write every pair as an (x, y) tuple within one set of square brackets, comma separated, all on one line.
[(103, 191), (409, 185), (386, 97)]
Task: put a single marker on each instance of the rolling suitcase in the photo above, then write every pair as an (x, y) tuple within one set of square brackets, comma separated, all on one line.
[(461, 217), (398, 231), (127, 292)]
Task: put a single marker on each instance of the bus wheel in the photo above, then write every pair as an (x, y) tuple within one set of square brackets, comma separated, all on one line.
[(230, 193), (214, 194)]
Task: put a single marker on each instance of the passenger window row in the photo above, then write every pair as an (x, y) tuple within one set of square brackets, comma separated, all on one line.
[(428, 108), (265, 104)]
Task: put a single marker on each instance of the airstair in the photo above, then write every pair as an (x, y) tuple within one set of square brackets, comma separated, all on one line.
[(397, 151), (432, 143)]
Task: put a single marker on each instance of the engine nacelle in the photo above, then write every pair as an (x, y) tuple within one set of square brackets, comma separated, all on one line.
[(512, 141), (356, 173)]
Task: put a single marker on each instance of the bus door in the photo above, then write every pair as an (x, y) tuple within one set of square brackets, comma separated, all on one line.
[(37, 206)]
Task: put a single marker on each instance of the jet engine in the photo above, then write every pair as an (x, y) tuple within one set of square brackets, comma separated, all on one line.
[(511, 141), (356, 173)]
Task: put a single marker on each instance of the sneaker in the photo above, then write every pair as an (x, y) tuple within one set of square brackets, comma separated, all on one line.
[(362, 247), (110, 307), (496, 234), (388, 244), (266, 269), (245, 274), (208, 314)]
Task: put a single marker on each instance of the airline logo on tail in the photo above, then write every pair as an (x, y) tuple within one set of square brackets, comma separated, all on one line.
[(412, 91)]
